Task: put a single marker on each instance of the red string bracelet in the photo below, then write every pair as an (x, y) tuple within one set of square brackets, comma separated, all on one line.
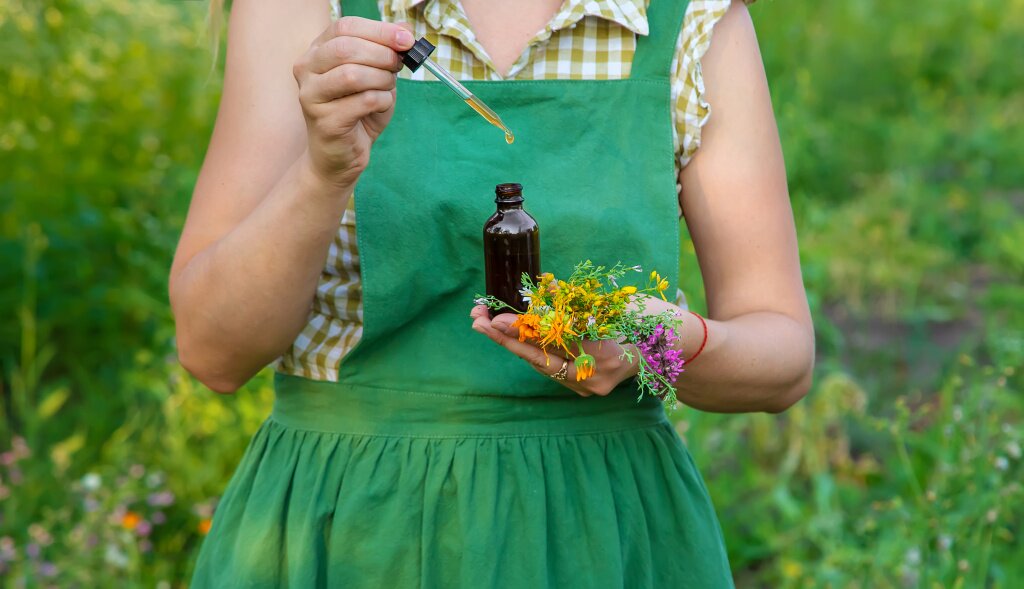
[(703, 343)]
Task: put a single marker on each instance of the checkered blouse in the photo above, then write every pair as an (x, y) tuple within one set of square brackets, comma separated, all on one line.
[(586, 40)]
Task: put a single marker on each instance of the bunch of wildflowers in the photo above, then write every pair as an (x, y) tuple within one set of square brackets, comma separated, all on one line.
[(596, 304)]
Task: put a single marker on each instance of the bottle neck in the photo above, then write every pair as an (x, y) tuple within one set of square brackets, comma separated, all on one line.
[(510, 206)]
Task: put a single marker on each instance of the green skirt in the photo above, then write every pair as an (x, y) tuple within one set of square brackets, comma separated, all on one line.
[(374, 488)]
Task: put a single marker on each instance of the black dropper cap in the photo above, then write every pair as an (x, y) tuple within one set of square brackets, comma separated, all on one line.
[(414, 57)]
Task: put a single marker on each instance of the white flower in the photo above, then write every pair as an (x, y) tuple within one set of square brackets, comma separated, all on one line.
[(1013, 449), (115, 557), (1002, 463), (91, 481), (154, 480), (958, 413), (913, 557), (945, 541)]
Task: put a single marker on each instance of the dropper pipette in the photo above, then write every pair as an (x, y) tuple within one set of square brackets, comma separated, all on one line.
[(419, 54)]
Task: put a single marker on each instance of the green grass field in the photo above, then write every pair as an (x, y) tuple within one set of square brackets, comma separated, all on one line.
[(903, 128)]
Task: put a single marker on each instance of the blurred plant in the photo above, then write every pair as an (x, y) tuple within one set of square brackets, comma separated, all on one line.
[(109, 530), (928, 495)]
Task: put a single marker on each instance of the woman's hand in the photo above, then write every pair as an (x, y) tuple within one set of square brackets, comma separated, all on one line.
[(611, 370), (347, 92)]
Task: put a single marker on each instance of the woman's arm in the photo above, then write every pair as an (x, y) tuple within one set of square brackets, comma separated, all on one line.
[(760, 350), (293, 132)]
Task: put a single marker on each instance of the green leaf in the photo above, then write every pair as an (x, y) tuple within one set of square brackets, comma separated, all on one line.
[(53, 402), (62, 451)]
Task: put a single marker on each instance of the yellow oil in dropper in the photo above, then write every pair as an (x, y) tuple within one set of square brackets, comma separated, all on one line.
[(491, 116), (475, 103)]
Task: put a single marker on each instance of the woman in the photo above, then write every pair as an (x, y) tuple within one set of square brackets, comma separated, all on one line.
[(401, 450)]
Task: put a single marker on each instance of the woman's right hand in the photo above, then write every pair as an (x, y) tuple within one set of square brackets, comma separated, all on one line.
[(347, 92)]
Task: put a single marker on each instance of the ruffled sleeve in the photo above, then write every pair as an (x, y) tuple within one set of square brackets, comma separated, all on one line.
[(692, 110)]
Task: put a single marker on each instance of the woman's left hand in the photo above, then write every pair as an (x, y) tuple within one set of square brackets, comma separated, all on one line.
[(611, 367)]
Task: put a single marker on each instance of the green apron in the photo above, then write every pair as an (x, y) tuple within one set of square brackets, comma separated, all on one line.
[(438, 459)]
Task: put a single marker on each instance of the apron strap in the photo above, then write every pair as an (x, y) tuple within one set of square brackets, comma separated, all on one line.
[(654, 53), (364, 8)]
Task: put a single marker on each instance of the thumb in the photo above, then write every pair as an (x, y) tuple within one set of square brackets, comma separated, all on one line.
[(503, 323)]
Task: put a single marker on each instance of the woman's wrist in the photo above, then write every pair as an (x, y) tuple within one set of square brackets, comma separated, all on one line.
[(691, 336), (320, 185)]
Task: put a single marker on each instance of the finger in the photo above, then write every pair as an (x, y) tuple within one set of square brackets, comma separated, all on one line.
[(341, 116), (524, 350), (341, 50), (501, 332), (555, 366), (391, 35), (349, 79), (503, 322)]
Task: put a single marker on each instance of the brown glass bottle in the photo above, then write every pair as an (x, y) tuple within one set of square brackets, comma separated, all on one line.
[(511, 247)]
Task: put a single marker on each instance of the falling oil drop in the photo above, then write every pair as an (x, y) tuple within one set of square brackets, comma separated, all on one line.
[(509, 137)]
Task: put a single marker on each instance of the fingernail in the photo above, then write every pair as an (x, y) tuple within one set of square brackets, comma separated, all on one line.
[(403, 37)]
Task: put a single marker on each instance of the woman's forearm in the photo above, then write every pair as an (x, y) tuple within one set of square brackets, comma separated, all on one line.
[(754, 362), (758, 361), (239, 302)]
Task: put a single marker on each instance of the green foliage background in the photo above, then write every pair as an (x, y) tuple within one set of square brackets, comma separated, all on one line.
[(902, 125)]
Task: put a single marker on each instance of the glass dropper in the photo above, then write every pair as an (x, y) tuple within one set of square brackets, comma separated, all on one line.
[(419, 54)]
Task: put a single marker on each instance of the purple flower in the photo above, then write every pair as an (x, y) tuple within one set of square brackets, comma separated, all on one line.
[(161, 499), (661, 356), (32, 550), (137, 470), (47, 570), (20, 448), (7, 551), (145, 546), (158, 517), (143, 528)]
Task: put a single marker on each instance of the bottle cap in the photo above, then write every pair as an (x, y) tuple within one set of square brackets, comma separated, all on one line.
[(511, 192), (414, 57)]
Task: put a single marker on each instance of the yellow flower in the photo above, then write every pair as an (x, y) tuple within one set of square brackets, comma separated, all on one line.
[(662, 286), (204, 526), (629, 289), (557, 328), (791, 569)]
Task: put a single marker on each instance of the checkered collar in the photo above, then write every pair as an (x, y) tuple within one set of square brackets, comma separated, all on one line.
[(631, 14)]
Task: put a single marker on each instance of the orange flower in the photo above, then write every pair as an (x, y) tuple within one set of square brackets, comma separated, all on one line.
[(204, 526), (528, 325), (129, 520), (585, 367)]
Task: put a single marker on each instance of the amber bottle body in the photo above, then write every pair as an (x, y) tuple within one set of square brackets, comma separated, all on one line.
[(511, 247)]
